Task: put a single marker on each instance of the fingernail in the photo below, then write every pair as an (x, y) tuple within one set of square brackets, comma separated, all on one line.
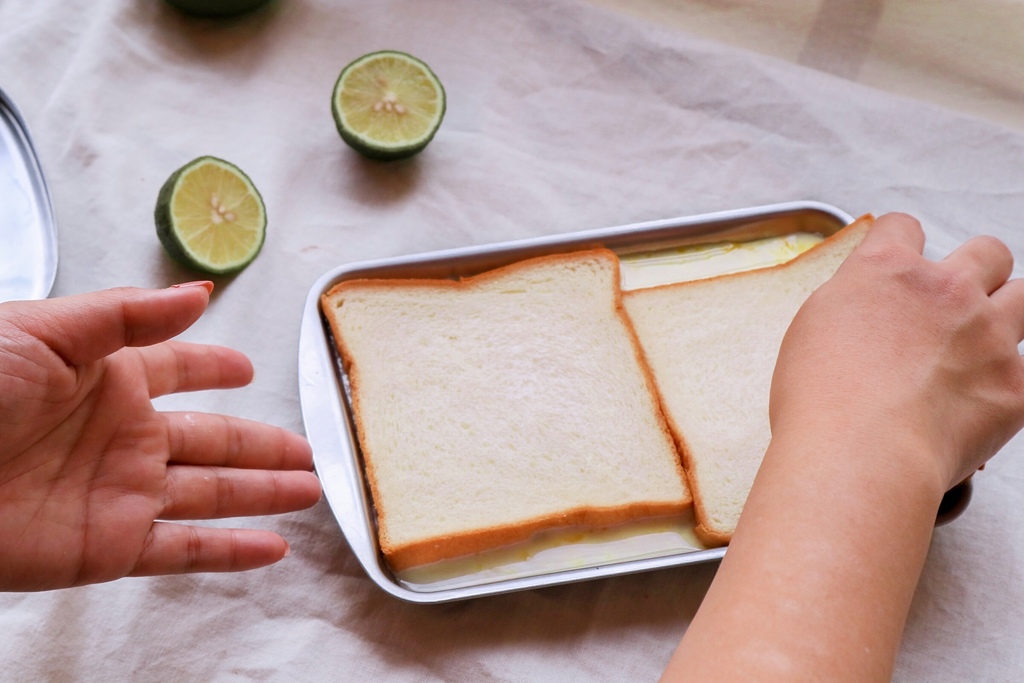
[(198, 283), (287, 549)]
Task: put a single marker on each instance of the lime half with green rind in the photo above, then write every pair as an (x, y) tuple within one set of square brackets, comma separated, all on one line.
[(210, 217), (388, 105)]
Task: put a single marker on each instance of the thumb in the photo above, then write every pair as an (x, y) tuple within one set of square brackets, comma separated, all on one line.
[(87, 327)]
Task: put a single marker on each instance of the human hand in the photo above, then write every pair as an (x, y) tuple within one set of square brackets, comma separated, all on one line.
[(896, 380), (89, 470), (915, 352)]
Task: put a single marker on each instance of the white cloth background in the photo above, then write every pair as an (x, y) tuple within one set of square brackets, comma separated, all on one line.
[(561, 117)]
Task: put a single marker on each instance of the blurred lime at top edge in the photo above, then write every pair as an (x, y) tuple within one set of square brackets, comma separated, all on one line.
[(216, 8)]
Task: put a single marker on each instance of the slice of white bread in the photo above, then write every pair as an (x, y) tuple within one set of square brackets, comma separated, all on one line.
[(492, 408), (711, 345)]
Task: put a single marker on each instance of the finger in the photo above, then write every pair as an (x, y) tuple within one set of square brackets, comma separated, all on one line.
[(895, 229), (180, 549), (205, 439), (87, 327), (172, 367), (1009, 300), (985, 259), (217, 492)]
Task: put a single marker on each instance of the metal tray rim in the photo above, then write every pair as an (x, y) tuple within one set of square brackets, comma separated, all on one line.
[(41, 189)]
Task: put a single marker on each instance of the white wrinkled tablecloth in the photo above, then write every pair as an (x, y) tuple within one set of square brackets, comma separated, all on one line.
[(561, 117)]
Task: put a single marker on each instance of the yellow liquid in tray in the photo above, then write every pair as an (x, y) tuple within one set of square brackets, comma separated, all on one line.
[(650, 269)]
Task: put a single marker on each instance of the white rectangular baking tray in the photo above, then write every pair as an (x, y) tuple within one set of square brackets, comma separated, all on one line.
[(557, 559)]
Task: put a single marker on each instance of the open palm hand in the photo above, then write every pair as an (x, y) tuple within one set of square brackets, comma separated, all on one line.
[(91, 475)]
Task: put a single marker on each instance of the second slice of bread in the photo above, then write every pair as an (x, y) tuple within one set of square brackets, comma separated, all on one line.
[(492, 408), (712, 345)]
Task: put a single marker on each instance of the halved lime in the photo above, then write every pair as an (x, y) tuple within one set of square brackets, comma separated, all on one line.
[(210, 217), (387, 105)]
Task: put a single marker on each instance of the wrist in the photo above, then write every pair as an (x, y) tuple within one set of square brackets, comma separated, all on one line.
[(878, 460)]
